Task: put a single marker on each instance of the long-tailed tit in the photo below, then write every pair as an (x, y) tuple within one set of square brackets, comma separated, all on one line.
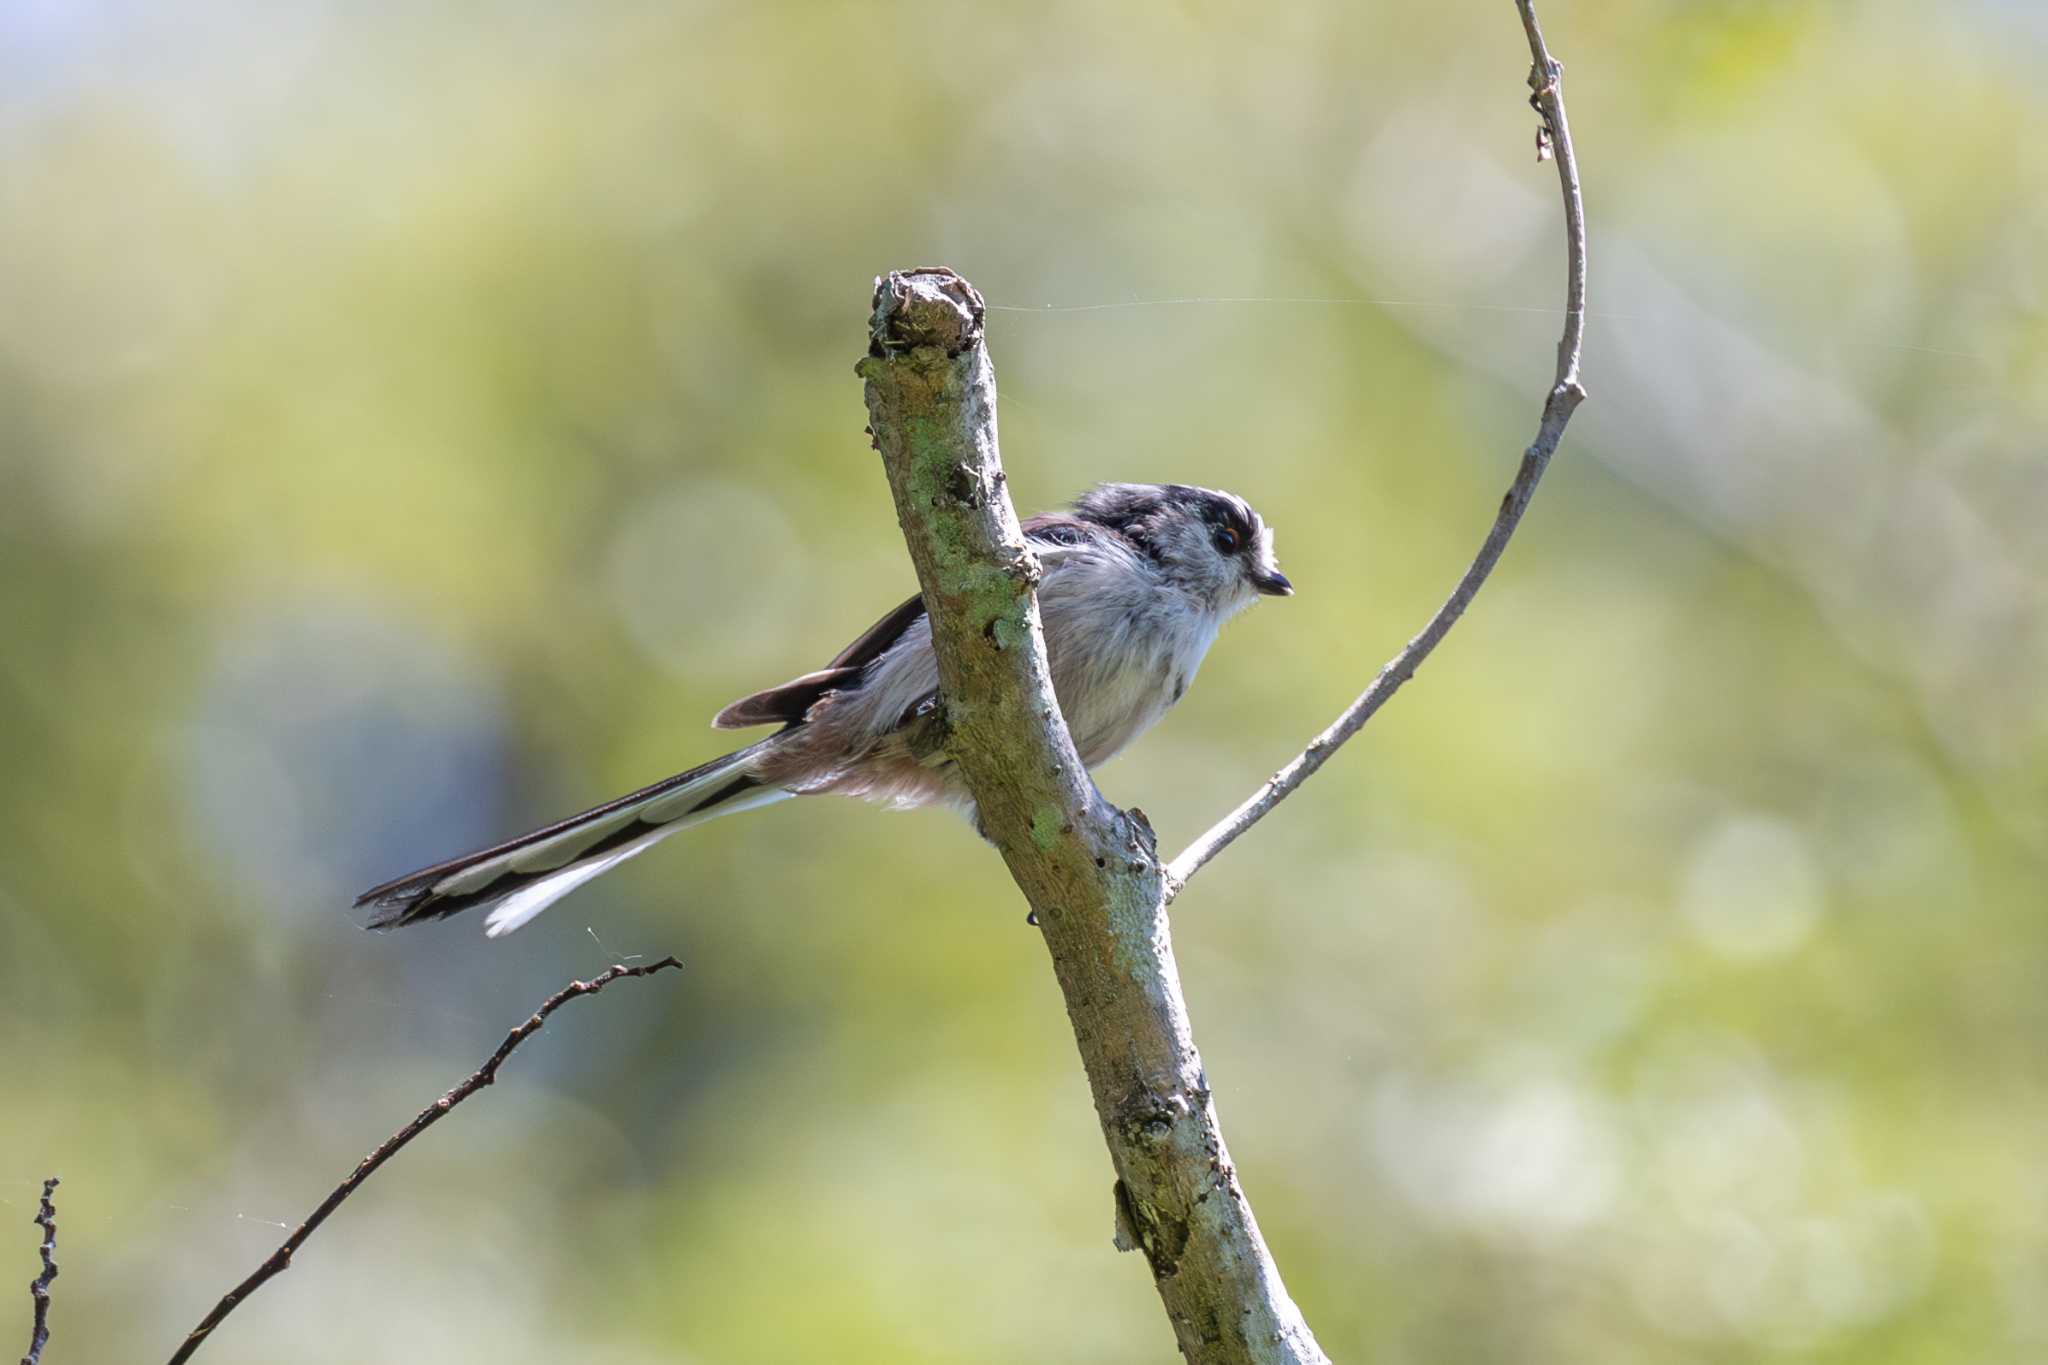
[(1137, 581)]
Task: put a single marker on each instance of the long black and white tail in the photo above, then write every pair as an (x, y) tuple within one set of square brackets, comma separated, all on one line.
[(518, 879)]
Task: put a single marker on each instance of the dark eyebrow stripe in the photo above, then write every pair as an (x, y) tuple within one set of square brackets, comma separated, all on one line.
[(1227, 509)]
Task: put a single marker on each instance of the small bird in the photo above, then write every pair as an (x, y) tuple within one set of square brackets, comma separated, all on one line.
[(1137, 580)]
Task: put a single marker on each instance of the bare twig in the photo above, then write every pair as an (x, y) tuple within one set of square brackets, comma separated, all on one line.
[(1086, 867), (39, 1287), (1565, 395), (281, 1259)]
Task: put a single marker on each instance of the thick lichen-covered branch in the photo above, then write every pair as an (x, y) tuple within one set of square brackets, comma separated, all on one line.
[(1087, 869)]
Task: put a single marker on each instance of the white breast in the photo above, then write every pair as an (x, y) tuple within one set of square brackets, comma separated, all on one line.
[(1124, 647)]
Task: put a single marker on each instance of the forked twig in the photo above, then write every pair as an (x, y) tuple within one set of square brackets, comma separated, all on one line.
[(281, 1259), (1565, 395)]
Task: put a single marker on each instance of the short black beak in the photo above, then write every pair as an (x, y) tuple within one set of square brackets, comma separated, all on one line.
[(1273, 584)]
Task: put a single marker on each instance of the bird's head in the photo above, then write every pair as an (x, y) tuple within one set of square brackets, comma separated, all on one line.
[(1210, 544)]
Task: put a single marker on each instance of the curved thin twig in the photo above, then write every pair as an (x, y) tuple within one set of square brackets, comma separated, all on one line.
[(1565, 395), (281, 1259), (39, 1287)]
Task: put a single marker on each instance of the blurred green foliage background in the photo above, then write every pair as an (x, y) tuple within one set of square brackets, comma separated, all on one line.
[(416, 420)]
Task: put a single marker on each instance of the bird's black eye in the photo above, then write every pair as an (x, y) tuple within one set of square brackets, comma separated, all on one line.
[(1228, 540)]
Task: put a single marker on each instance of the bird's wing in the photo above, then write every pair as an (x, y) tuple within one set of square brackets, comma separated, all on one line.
[(788, 703), (1054, 531)]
